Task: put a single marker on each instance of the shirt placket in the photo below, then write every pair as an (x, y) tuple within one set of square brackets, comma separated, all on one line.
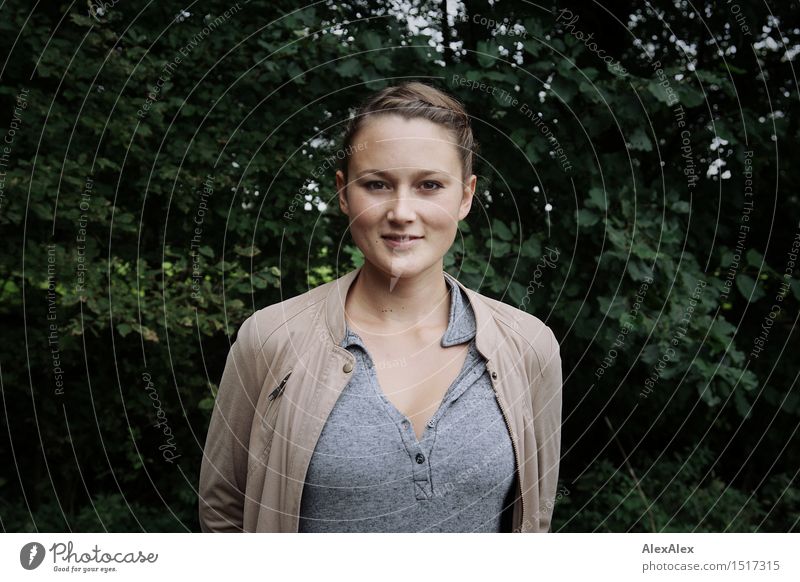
[(420, 463), (419, 451)]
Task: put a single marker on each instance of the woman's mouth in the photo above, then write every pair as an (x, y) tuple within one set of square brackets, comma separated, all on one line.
[(404, 241)]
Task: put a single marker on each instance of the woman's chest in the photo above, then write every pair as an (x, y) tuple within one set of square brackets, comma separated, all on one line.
[(415, 376)]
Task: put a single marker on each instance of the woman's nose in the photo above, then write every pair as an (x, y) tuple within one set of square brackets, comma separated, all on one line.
[(401, 207)]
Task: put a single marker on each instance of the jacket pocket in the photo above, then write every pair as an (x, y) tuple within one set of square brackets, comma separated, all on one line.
[(271, 414)]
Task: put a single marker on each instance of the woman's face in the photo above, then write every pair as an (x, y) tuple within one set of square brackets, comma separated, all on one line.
[(405, 179)]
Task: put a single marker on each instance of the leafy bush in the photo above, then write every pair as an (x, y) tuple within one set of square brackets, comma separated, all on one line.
[(170, 174)]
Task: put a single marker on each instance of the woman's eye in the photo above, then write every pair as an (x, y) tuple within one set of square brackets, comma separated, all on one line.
[(431, 185), (374, 185)]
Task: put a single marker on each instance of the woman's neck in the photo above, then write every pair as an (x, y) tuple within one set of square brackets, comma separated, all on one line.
[(378, 302)]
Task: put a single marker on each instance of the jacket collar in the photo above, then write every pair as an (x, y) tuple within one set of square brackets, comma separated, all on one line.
[(460, 323), (486, 336)]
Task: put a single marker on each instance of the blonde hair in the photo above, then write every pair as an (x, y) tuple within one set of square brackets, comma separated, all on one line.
[(410, 100)]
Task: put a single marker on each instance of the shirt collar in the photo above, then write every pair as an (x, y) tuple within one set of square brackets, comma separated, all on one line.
[(461, 321)]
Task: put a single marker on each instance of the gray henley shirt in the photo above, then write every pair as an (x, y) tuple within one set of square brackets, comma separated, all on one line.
[(369, 473)]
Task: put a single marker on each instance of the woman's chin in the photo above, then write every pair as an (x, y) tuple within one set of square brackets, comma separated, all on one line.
[(400, 266)]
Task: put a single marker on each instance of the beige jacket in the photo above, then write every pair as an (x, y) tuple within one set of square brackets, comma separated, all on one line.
[(285, 372)]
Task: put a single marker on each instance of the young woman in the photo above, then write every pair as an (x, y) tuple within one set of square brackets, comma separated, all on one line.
[(394, 398)]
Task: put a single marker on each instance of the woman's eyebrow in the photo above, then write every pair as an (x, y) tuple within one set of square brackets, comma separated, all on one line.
[(388, 174)]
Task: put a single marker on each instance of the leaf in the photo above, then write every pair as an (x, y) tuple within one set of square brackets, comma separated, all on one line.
[(147, 333), (371, 40), (658, 91), (704, 389), (563, 88), (587, 217), (531, 247), (638, 271), (486, 53), (597, 198), (684, 93), (690, 96), (532, 47), (348, 68), (355, 254), (681, 207), (640, 141), (643, 250), (259, 281), (532, 152), (382, 62), (616, 69), (250, 251), (609, 306), (516, 292), (501, 230), (749, 288), (722, 329), (500, 249), (754, 258)]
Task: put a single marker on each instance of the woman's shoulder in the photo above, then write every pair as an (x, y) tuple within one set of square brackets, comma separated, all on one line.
[(513, 317), (279, 318), (520, 327)]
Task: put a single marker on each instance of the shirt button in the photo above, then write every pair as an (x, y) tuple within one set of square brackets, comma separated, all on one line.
[(420, 458), (405, 424), (431, 422), (494, 375), (348, 367)]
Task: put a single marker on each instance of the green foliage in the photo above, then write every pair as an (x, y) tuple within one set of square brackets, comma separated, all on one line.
[(668, 494), (150, 218)]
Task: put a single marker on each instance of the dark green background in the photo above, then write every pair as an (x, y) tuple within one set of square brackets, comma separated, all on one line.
[(258, 104)]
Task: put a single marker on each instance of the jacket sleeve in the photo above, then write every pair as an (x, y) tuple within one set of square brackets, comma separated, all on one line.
[(547, 428), (223, 472)]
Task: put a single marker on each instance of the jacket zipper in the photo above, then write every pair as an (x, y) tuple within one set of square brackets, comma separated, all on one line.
[(513, 446), (279, 390), (268, 413)]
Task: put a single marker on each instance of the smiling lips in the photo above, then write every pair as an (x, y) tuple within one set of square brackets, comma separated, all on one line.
[(400, 237), (400, 240)]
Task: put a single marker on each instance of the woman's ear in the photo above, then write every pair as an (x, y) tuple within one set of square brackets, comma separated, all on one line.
[(341, 188), (466, 198)]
